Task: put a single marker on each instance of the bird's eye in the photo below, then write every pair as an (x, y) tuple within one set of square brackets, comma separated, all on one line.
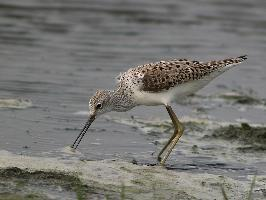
[(99, 105)]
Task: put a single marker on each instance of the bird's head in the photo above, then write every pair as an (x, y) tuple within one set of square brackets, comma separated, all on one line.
[(99, 103)]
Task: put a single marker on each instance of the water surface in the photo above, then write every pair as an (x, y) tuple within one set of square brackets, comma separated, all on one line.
[(54, 54)]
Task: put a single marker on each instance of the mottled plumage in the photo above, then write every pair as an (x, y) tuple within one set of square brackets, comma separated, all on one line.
[(174, 79), (163, 75)]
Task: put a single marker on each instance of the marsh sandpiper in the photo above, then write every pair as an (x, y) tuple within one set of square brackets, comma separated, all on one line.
[(159, 83)]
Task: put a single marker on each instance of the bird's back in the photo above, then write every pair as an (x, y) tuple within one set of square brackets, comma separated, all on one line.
[(160, 77)]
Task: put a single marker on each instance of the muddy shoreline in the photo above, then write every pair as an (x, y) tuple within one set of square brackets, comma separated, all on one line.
[(114, 179)]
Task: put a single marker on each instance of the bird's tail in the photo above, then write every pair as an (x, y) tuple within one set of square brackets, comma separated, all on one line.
[(242, 58), (232, 61), (224, 64)]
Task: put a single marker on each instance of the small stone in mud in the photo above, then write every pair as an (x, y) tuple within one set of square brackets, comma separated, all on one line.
[(134, 161), (195, 149)]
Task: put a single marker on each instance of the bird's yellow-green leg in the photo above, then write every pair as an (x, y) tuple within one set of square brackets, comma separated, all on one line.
[(168, 142), (174, 119), (179, 129)]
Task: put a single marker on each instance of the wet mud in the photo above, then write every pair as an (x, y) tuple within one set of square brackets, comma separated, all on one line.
[(252, 138), (36, 178)]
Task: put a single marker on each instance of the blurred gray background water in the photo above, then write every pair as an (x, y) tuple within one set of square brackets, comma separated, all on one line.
[(56, 53)]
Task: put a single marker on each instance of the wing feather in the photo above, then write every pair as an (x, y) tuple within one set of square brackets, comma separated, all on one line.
[(166, 74)]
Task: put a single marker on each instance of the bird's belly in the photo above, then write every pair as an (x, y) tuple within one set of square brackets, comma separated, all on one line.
[(174, 94), (149, 98)]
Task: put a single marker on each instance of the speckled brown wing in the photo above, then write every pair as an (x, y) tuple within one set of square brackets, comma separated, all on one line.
[(167, 74)]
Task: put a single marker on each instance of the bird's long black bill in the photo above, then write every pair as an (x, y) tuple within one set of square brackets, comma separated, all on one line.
[(82, 133)]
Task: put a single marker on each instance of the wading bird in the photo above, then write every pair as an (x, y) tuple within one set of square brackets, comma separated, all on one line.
[(159, 83)]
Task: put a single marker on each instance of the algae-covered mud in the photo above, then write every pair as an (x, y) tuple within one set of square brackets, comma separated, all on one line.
[(51, 178), (252, 138)]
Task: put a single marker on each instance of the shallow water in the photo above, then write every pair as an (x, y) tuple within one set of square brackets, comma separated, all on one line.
[(54, 54)]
